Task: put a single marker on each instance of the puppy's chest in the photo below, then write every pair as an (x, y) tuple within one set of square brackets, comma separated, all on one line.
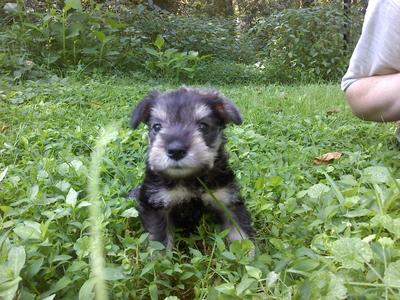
[(181, 194)]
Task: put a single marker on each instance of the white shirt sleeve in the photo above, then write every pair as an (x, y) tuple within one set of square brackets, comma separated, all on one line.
[(378, 49)]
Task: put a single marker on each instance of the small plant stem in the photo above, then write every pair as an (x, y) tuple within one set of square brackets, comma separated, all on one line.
[(207, 271), (385, 264), (74, 51), (373, 284), (137, 256), (262, 286), (220, 275), (378, 275), (101, 51), (335, 188), (378, 199), (21, 7), (63, 35)]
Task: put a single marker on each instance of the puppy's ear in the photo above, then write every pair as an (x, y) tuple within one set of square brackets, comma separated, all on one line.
[(224, 108), (142, 111)]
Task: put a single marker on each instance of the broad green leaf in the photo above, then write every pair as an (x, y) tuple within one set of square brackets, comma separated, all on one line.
[(259, 182), (100, 35), (112, 274), (352, 253), (386, 242), (228, 255), (272, 277), (16, 259), (186, 275), (71, 197), (159, 42), (75, 4), (348, 180), (77, 266), (42, 174), (77, 165), (254, 272), (34, 192), (61, 258), (193, 53), (147, 268), (114, 24), (376, 174), (63, 185), (130, 213), (335, 188), (62, 283), (244, 284), (226, 288), (360, 212), (84, 204), (274, 181), (10, 7), (369, 238), (151, 51), (34, 266), (62, 212), (305, 265), (3, 174), (239, 247), (155, 245), (86, 291), (63, 169), (153, 290), (351, 201), (9, 288), (392, 274), (336, 288), (391, 225), (142, 238), (317, 190), (82, 246), (324, 285), (51, 297), (28, 230)]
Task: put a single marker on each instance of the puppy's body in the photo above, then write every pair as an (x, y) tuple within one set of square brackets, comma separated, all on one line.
[(187, 152)]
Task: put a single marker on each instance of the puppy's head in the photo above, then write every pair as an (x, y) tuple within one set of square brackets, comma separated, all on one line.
[(185, 129)]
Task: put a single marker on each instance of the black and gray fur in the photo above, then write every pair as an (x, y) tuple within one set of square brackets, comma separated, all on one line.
[(186, 148)]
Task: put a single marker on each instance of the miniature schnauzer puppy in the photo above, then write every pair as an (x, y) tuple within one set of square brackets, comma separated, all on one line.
[(187, 167)]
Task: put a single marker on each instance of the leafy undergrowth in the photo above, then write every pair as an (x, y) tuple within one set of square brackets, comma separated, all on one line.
[(323, 231)]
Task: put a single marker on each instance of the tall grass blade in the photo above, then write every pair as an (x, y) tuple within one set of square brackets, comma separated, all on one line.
[(96, 242)]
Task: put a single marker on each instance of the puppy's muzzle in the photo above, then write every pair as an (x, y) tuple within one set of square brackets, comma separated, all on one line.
[(177, 150)]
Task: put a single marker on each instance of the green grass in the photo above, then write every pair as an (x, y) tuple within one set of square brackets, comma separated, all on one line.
[(329, 231)]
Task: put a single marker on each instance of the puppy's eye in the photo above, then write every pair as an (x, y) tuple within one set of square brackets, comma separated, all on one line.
[(157, 127), (203, 127)]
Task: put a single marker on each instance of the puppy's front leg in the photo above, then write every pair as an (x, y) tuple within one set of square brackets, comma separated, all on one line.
[(240, 226), (156, 223)]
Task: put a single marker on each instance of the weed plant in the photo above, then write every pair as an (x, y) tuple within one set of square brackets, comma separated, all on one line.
[(322, 231), (307, 42)]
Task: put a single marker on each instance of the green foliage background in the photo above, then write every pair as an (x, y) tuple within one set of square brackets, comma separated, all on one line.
[(287, 45)]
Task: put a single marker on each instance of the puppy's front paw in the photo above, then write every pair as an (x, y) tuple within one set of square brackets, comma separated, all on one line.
[(134, 193)]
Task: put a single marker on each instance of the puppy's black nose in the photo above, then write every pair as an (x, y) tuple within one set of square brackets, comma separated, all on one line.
[(176, 150)]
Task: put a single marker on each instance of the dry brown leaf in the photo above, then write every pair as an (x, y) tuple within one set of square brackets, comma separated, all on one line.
[(327, 158), (95, 104), (3, 126)]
